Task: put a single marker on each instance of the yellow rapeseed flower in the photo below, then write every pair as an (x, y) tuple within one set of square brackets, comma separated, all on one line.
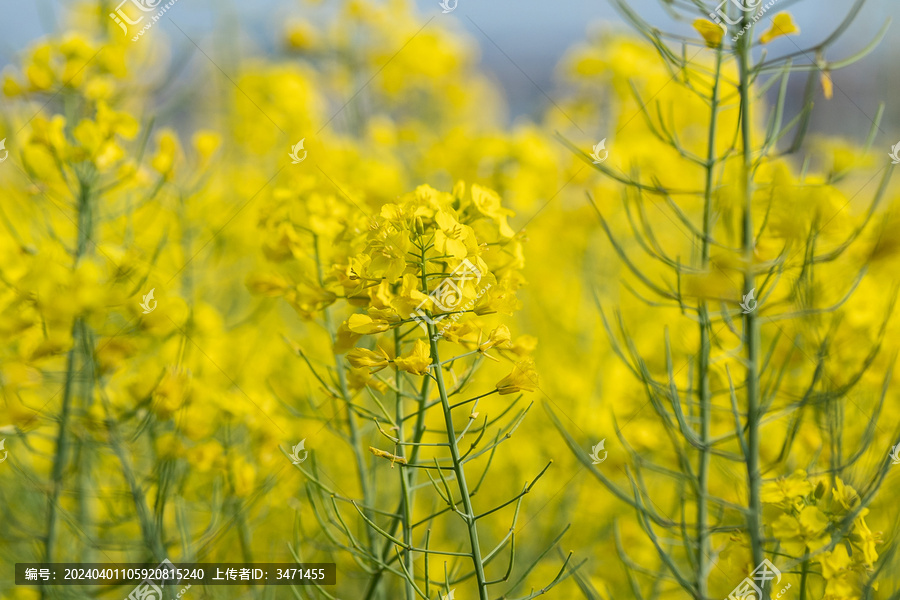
[(172, 392), (488, 203), (244, 477), (167, 153), (206, 143), (782, 24), (416, 361), (524, 345), (524, 377), (302, 35), (363, 358), (168, 445), (799, 535), (366, 325), (841, 581), (345, 339), (786, 488), (499, 337), (283, 243), (865, 539), (845, 495), (711, 32), (451, 238), (206, 456)]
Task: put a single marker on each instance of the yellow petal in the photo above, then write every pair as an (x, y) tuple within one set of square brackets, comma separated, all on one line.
[(168, 152), (499, 337), (206, 143), (827, 85), (416, 361), (711, 32), (365, 325), (782, 24), (524, 377), (363, 358)]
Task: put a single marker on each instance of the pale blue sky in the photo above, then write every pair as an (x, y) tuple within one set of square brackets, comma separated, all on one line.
[(537, 34)]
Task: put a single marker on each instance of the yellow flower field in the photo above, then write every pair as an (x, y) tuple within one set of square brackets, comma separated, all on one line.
[(322, 304)]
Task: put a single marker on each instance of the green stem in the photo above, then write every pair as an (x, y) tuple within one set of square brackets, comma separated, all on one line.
[(351, 416), (84, 220), (373, 590), (353, 426), (418, 433), (62, 449), (83, 449), (149, 531), (458, 466), (804, 571), (703, 533), (240, 521), (469, 512), (406, 505), (751, 320)]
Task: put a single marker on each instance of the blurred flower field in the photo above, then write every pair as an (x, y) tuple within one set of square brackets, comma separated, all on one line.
[(326, 305)]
